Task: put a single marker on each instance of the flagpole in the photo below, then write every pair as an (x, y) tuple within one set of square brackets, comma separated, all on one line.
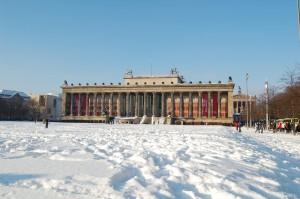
[(298, 13), (247, 105)]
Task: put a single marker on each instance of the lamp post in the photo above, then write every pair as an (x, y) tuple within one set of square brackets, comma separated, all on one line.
[(267, 104), (298, 15), (247, 104), (250, 111)]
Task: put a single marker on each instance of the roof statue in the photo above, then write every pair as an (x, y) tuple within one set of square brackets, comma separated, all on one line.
[(129, 73), (174, 71)]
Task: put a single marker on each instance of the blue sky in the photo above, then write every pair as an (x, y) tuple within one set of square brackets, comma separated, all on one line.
[(43, 43)]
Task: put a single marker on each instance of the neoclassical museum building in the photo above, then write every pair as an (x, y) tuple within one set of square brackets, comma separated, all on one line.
[(145, 97)]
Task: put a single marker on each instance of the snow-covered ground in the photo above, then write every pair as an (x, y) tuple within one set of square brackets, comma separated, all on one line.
[(145, 161)]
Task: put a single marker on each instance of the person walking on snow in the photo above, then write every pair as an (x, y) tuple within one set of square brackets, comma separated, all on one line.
[(46, 123), (257, 127), (239, 125)]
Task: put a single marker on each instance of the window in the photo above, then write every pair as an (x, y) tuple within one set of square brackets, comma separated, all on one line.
[(136, 83), (127, 83), (163, 83), (172, 82), (42, 101), (145, 83), (54, 103), (153, 83)]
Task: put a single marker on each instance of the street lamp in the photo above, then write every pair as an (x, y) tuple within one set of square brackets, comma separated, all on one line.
[(267, 104), (247, 104), (250, 115), (298, 3)]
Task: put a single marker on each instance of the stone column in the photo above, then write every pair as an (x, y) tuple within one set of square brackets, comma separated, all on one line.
[(95, 104), (136, 109), (64, 104), (127, 104), (87, 105), (140, 113), (230, 104), (180, 105), (163, 105), (154, 104), (172, 104), (110, 107), (209, 104), (219, 104), (190, 105), (145, 104), (71, 107), (79, 104), (102, 103), (119, 105), (200, 104)]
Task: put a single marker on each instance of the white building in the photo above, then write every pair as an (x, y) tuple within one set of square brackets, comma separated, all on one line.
[(50, 105)]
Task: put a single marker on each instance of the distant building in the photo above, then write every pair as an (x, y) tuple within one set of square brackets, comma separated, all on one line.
[(240, 101), (151, 97), (13, 105), (50, 106), (10, 94)]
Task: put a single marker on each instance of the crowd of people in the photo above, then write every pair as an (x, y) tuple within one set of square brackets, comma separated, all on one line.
[(288, 126), (285, 126)]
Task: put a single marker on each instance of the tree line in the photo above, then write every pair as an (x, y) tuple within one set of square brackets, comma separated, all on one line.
[(16, 108), (284, 99)]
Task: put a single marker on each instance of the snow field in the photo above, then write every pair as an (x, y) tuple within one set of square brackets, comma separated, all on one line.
[(145, 161)]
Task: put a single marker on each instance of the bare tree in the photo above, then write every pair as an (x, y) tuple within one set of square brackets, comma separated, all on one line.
[(283, 101), (298, 73), (290, 77), (34, 110)]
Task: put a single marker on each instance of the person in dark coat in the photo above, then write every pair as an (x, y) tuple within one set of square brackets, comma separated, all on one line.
[(46, 123), (261, 127)]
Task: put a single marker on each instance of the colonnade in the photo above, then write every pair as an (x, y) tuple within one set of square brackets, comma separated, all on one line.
[(206, 104)]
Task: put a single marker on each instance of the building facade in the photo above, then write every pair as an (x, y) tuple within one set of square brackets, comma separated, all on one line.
[(13, 105), (240, 103), (244, 106), (10, 94), (150, 96), (49, 105)]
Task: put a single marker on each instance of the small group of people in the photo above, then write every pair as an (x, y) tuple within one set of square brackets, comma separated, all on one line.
[(259, 127), (285, 126), (108, 119)]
